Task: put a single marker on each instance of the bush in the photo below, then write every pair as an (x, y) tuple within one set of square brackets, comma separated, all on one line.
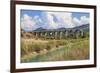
[(61, 42), (28, 46), (48, 46), (37, 47), (23, 49)]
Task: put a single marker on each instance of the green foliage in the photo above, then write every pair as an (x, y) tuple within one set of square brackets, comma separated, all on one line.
[(37, 47), (73, 49), (48, 47)]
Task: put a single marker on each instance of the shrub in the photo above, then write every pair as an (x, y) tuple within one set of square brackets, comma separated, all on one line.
[(61, 42), (48, 46), (23, 49), (37, 49)]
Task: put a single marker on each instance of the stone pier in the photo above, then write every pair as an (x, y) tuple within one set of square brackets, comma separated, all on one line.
[(64, 34)]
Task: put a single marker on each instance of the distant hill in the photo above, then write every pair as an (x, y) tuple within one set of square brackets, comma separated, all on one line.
[(62, 28), (39, 29), (84, 27), (42, 29)]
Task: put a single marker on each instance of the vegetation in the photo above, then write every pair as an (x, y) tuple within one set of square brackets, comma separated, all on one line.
[(54, 50)]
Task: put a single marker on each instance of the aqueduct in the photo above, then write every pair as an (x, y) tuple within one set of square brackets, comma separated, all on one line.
[(58, 34)]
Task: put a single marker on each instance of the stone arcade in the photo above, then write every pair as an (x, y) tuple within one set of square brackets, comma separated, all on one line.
[(59, 34)]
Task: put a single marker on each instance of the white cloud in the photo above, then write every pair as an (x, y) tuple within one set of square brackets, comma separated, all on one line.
[(51, 22), (27, 23), (63, 20), (84, 20), (37, 20), (76, 21), (46, 20)]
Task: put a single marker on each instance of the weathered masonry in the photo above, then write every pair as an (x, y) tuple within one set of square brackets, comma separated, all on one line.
[(59, 34)]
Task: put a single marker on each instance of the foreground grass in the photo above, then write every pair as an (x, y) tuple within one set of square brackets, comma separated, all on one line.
[(54, 50)]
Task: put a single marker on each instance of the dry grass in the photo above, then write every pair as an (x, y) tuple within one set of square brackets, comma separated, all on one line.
[(74, 49)]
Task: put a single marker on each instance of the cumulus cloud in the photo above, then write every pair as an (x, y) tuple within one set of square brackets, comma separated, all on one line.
[(84, 20), (51, 23), (38, 21), (52, 20), (27, 23), (65, 19), (62, 20), (76, 21)]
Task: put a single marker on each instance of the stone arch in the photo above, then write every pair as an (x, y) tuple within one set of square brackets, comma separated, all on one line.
[(82, 33), (71, 33), (77, 33)]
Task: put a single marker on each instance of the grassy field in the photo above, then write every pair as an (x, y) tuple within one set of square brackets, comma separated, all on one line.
[(54, 50)]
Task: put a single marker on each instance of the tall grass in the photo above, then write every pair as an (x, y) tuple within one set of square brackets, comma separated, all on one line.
[(27, 47), (73, 49)]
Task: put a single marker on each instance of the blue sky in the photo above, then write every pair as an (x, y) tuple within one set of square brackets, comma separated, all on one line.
[(33, 13), (79, 14), (33, 19)]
